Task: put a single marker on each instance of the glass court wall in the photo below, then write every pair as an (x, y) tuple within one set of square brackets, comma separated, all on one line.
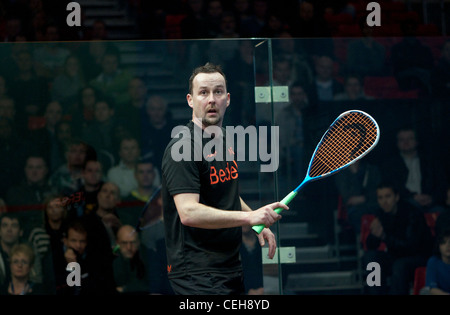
[(272, 84)]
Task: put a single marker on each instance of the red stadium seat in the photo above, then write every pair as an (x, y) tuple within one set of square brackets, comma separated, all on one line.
[(419, 280), (366, 220)]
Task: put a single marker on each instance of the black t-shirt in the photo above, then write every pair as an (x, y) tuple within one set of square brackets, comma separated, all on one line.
[(196, 250)]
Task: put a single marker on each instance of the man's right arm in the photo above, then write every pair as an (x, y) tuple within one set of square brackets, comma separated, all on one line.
[(195, 214)]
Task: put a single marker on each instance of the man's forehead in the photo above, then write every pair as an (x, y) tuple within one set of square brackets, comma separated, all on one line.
[(209, 80)]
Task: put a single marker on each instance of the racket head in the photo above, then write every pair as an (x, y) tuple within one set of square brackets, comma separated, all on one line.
[(351, 136), (151, 210)]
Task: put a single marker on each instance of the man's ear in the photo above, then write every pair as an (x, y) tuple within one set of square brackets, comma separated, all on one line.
[(189, 100)]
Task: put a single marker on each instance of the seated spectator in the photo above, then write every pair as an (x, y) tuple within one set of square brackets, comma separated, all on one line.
[(84, 200), (21, 265), (67, 85), (130, 270), (83, 113), (11, 234), (144, 174), (28, 197), (130, 115), (412, 71), (366, 56), (353, 90), (37, 96), (402, 227), (97, 277), (113, 80), (122, 174), (156, 129), (68, 177), (100, 133), (437, 279), (416, 172), (49, 57), (325, 85), (44, 140), (357, 186)]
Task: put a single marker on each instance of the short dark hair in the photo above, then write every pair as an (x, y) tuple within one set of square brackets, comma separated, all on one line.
[(206, 68), (390, 185)]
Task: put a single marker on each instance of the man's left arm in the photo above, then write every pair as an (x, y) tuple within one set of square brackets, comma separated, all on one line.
[(266, 233)]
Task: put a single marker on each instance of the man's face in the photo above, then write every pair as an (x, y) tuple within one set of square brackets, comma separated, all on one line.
[(76, 154), (92, 173), (55, 210), (76, 240), (387, 199), (209, 99), (109, 196), (145, 174), (10, 231), (35, 170), (53, 113), (102, 111), (129, 150), (128, 242), (406, 141)]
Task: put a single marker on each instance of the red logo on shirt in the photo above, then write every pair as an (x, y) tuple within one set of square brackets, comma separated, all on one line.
[(230, 172)]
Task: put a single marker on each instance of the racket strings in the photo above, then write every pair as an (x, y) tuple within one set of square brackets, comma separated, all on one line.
[(347, 139)]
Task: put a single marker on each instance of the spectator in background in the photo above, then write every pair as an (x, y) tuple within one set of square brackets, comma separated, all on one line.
[(240, 78), (366, 56), (310, 23), (412, 71), (7, 108), (144, 174), (97, 277), (31, 103), (402, 227), (213, 18), (83, 114), (437, 278), (67, 85), (49, 57), (156, 129), (221, 51), (443, 219), (252, 26), (440, 75), (130, 115), (44, 140), (34, 189), (194, 24), (100, 133), (357, 186), (353, 89), (286, 47), (113, 80), (122, 174), (325, 85), (21, 263), (11, 233), (68, 178), (91, 55), (242, 11), (131, 271), (293, 134), (415, 172), (93, 179)]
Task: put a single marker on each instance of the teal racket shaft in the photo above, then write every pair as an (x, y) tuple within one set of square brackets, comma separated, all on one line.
[(350, 137)]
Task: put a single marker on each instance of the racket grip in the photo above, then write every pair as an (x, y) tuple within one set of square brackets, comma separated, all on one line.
[(286, 200)]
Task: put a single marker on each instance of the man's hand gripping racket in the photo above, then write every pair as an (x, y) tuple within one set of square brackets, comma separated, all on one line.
[(349, 138)]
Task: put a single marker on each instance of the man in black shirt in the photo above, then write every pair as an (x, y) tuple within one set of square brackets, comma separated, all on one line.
[(203, 212)]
